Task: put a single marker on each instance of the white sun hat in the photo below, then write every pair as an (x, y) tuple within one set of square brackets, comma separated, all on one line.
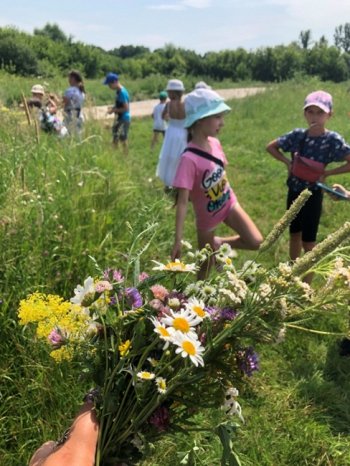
[(175, 85), (38, 89), (202, 103)]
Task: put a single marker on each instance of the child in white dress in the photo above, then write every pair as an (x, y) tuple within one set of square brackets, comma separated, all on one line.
[(176, 135)]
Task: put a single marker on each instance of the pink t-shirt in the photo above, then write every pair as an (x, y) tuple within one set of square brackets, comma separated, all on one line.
[(210, 192)]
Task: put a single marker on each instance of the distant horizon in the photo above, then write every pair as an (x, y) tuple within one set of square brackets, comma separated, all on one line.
[(202, 26)]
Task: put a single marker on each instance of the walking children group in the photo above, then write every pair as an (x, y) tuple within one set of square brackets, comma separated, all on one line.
[(192, 161)]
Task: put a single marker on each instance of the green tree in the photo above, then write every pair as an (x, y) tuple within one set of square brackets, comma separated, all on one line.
[(15, 55), (53, 32), (305, 38), (342, 37)]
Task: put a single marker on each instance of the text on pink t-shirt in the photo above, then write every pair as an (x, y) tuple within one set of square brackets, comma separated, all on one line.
[(210, 192)]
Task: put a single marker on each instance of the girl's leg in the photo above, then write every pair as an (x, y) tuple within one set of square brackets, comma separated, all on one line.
[(248, 237), (295, 245), (154, 139)]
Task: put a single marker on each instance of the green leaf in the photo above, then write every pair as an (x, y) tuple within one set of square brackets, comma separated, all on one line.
[(226, 431)]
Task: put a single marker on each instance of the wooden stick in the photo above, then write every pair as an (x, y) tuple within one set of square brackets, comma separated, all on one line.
[(26, 109), (37, 132)]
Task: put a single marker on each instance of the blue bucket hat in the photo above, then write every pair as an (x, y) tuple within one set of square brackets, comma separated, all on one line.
[(202, 103), (111, 78)]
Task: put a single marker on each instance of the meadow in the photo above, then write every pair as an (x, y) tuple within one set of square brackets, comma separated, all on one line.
[(63, 202)]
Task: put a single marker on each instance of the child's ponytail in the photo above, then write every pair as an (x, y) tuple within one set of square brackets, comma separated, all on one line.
[(78, 79)]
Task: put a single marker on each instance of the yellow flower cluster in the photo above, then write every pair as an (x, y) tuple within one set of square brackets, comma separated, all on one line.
[(124, 348), (50, 312), (65, 353)]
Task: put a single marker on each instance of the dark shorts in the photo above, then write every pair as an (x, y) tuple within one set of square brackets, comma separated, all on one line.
[(120, 130), (308, 218), (161, 131)]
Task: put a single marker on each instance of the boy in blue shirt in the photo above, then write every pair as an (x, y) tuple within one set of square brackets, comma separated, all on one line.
[(121, 109)]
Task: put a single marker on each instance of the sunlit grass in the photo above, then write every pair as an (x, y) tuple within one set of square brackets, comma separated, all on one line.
[(64, 201)]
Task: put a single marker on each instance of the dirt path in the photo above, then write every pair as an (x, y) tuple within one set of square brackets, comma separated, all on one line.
[(145, 107)]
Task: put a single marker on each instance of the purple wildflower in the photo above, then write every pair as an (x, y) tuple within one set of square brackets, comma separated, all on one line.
[(118, 276), (133, 298), (113, 274), (113, 301), (248, 360), (56, 338), (228, 313), (106, 273), (160, 419), (143, 276), (216, 313)]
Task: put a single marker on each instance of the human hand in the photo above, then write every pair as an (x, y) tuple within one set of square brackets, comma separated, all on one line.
[(341, 189), (110, 110)]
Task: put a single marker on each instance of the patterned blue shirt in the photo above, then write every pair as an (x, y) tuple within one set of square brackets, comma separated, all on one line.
[(327, 148)]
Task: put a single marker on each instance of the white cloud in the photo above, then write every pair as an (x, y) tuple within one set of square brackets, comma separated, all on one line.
[(197, 3), (168, 7), (314, 12), (182, 5)]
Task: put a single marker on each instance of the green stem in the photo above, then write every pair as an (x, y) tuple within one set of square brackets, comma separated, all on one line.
[(318, 332)]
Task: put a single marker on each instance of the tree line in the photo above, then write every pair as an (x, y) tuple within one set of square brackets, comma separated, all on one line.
[(49, 52)]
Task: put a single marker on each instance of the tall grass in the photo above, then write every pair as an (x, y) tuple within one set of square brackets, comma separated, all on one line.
[(64, 201)]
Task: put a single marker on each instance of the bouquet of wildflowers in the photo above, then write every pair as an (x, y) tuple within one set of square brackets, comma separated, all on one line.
[(161, 347)]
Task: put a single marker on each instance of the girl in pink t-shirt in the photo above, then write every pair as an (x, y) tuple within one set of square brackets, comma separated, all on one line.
[(201, 178)]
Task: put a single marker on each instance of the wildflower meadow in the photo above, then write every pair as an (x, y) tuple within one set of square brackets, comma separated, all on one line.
[(243, 368)]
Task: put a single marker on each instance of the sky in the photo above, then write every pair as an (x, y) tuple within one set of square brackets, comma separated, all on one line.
[(200, 25)]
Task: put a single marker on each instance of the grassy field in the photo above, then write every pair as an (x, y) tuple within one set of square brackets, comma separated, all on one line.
[(63, 201)]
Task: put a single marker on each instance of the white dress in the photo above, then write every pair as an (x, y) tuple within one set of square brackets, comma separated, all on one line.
[(174, 144)]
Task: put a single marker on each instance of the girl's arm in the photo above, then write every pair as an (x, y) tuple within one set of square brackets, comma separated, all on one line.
[(181, 209), (275, 151), (342, 169)]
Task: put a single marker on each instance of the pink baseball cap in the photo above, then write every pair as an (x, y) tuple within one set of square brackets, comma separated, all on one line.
[(320, 99)]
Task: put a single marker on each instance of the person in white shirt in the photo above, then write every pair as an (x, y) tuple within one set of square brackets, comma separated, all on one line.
[(159, 122)]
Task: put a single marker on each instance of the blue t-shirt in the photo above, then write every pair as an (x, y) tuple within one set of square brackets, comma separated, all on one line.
[(122, 97), (327, 148)]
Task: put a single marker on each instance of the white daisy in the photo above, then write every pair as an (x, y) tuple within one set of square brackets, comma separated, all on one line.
[(163, 332), (189, 346), (161, 385), (225, 250), (176, 266), (183, 320), (197, 308), (145, 375), (82, 291)]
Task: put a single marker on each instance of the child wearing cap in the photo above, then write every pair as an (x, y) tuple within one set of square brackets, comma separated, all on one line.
[(312, 150), (159, 123), (175, 137), (121, 110), (201, 178)]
